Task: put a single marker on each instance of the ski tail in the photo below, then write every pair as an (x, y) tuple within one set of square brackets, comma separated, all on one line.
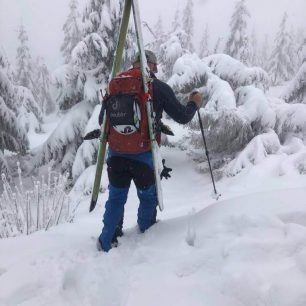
[(150, 112)]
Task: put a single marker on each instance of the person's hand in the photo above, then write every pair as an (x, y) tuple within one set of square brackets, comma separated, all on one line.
[(197, 98)]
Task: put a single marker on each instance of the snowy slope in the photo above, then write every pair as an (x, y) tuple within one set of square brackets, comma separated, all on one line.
[(249, 248)]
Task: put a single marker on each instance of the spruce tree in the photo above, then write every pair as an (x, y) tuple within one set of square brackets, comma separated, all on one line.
[(254, 57), (92, 16), (12, 135), (28, 89), (237, 45), (217, 48), (159, 34), (245, 54), (43, 82), (176, 21), (72, 31), (159, 37), (295, 91), (24, 73), (263, 59), (204, 49), (188, 25), (86, 74), (302, 51), (281, 67), (174, 46)]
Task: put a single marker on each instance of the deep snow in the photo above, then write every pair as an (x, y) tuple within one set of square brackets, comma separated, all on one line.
[(248, 248)]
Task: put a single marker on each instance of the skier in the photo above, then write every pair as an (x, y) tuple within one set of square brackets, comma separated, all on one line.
[(122, 168)]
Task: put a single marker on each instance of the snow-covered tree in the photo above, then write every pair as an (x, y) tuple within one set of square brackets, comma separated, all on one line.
[(204, 49), (7, 66), (43, 82), (235, 73), (26, 77), (176, 22), (235, 112), (264, 52), (69, 81), (188, 25), (63, 143), (13, 137), (254, 51), (218, 47), (302, 51), (87, 73), (159, 30), (242, 126), (292, 50), (170, 51), (174, 46), (29, 112), (24, 72), (245, 54), (92, 16), (159, 37), (237, 45), (282, 59), (72, 31), (295, 91)]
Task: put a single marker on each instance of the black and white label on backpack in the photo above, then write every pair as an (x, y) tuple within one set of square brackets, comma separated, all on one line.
[(124, 113)]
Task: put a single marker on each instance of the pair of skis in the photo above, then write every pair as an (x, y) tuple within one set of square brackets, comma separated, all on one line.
[(128, 5)]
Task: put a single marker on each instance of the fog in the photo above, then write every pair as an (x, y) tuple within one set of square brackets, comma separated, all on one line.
[(44, 19)]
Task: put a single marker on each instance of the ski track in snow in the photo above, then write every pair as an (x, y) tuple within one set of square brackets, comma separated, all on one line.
[(249, 248)]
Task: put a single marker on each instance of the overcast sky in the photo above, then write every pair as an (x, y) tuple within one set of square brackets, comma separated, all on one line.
[(44, 19)]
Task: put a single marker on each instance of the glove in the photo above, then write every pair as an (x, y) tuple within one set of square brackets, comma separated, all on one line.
[(165, 171), (197, 98), (92, 135), (165, 129)]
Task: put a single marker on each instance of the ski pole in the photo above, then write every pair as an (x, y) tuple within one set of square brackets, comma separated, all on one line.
[(217, 195)]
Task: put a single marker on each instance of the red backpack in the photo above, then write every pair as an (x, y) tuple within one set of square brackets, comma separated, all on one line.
[(126, 112)]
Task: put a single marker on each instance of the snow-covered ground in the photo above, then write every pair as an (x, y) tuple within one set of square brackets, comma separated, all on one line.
[(248, 248)]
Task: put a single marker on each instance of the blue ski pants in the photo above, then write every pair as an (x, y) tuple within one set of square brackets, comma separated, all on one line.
[(122, 169)]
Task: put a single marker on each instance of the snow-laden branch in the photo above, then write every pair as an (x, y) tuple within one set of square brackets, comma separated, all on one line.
[(86, 154), (12, 134), (254, 106), (63, 143), (236, 73), (290, 120), (192, 73), (257, 150), (295, 92)]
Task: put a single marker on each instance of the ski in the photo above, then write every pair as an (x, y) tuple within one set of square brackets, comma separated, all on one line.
[(104, 127), (150, 112)]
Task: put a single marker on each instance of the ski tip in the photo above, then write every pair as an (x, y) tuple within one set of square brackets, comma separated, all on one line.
[(92, 205)]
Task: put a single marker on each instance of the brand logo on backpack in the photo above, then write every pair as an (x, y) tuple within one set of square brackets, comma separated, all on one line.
[(115, 105), (126, 111)]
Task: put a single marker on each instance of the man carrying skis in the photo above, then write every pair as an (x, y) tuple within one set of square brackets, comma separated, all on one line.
[(132, 160)]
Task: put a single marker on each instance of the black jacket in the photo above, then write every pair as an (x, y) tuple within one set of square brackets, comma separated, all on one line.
[(164, 100)]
